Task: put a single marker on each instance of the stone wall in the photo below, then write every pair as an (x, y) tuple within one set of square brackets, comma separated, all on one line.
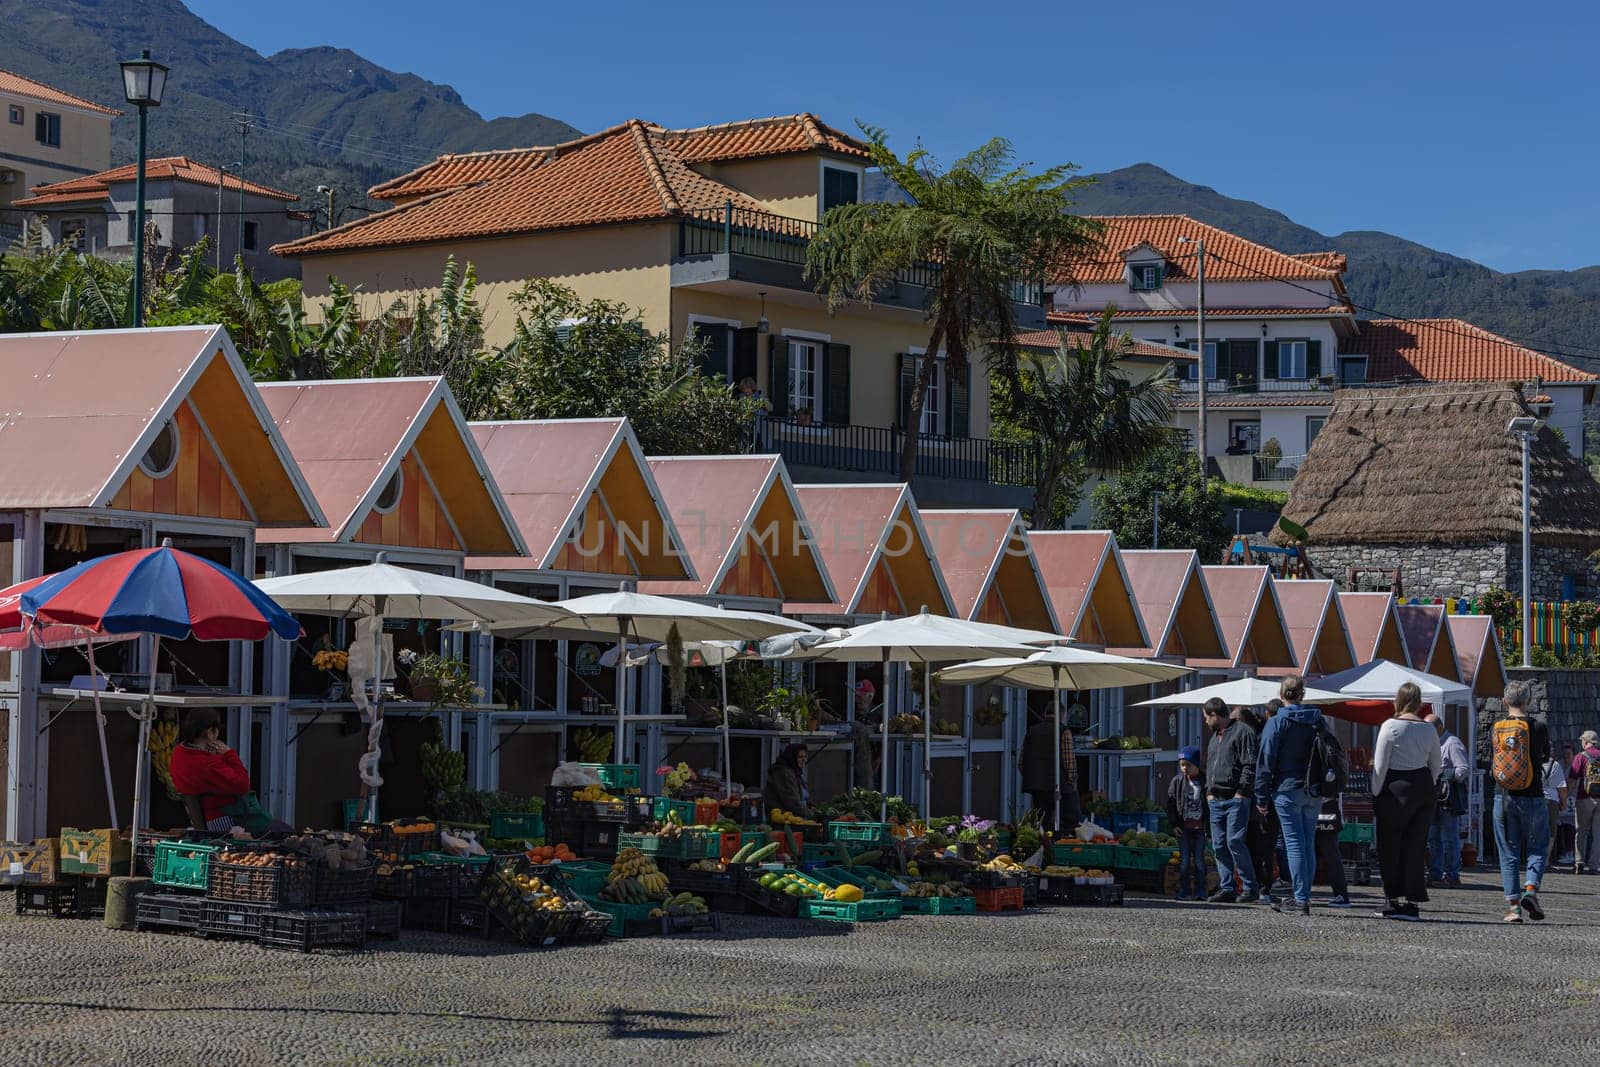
[(1465, 570), (1570, 700)]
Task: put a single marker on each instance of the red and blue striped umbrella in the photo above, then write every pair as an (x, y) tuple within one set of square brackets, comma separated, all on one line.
[(160, 591)]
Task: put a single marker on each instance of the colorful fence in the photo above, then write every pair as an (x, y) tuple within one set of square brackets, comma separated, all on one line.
[(1550, 630)]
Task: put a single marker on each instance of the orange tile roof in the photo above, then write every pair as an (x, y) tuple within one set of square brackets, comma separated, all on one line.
[(1325, 260), (1229, 257), (1450, 350), (453, 170), (624, 174), (1079, 339), (180, 168), (1083, 318), (21, 85), (753, 138)]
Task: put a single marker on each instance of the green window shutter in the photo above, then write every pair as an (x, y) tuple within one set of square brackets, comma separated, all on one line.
[(1224, 359), (1269, 365), (836, 385), (905, 382), (744, 355), (713, 338), (778, 375), (564, 333), (960, 402), (1313, 359)]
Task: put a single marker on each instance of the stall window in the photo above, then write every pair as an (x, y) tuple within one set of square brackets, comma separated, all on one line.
[(161, 457), (389, 498)]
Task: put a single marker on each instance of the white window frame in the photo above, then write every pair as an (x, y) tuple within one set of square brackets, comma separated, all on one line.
[(16, 115), (1352, 360), (813, 375), (935, 418), (731, 324), (1136, 278), (398, 480), (1287, 351), (1322, 424), (1210, 357), (156, 473)]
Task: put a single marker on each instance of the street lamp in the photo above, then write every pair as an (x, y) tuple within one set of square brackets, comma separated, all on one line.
[(327, 191), (1200, 346), (222, 172), (1526, 427), (143, 83)]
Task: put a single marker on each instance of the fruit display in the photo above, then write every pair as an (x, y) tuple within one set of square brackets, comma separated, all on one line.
[(753, 853), (924, 890), (1081, 875), (1003, 864), (1137, 743), (634, 879), (1146, 839), (594, 744), (779, 817), (682, 904), (552, 854), (594, 794), (946, 728), (803, 886), (163, 739), (906, 724)]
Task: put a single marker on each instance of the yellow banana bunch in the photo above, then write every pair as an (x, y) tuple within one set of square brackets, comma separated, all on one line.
[(163, 739)]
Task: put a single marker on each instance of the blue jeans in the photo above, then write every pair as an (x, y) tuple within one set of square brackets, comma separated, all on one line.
[(1230, 819), (1522, 837), (1297, 817), (1191, 862), (1444, 845)]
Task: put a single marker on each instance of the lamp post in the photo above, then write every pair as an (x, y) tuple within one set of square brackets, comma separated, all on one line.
[(143, 82), (1200, 347), (1525, 428), (1155, 519), (222, 173), (327, 191)]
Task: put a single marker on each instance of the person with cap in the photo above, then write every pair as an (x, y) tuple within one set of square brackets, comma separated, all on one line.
[(1187, 812), (786, 782), (1584, 774)]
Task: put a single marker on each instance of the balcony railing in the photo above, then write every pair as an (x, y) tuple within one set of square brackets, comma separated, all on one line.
[(876, 450), (1276, 468), (1265, 385), (782, 239)]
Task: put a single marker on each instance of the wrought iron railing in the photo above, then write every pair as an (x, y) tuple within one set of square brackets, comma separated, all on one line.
[(876, 449)]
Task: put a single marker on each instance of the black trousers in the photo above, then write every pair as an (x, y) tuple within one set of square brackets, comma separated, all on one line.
[(1403, 812), (1262, 841)]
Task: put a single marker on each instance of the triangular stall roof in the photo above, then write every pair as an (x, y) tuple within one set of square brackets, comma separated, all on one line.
[(1089, 588), (876, 548), (1174, 605), (988, 566), (1252, 622), (741, 524), (1427, 640), (1478, 658), (392, 464), (1374, 627), (1316, 626), (80, 411), (583, 498)]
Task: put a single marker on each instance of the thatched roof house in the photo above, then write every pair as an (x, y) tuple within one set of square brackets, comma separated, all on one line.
[(1404, 477)]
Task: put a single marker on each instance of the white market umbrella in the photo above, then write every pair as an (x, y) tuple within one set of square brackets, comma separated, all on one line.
[(1379, 679), (627, 614), (1058, 668), (1241, 692), (926, 639), (380, 589)]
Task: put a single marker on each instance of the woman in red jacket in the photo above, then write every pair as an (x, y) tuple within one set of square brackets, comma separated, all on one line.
[(202, 766)]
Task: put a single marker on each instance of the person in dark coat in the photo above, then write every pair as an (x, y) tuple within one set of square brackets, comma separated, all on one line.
[(786, 782), (1230, 781), (1039, 773), (1189, 815)]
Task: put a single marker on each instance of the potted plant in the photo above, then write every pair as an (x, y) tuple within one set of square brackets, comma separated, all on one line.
[(334, 661), (438, 681), (970, 836)]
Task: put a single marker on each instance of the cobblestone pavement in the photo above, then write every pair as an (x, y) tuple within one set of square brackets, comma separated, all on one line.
[(1152, 983)]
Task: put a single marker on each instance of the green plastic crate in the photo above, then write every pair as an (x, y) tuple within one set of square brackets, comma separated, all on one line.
[(1357, 833), (689, 845), (869, 910), (1084, 855), (845, 876), (184, 864), (586, 877), (1143, 859), (872, 833), (939, 905), (521, 825), (624, 915), (617, 775), (662, 807)]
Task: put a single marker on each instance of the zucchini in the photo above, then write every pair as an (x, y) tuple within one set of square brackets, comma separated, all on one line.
[(762, 853), (867, 859), (744, 851), (842, 852)]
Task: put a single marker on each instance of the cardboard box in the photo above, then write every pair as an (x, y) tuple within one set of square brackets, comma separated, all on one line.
[(30, 863), (96, 853)]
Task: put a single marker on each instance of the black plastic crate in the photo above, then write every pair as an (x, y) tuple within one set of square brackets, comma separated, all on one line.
[(767, 901), (529, 925), (168, 910), (232, 918), (684, 877), (982, 879), (289, 883), (431, 914), (683, 924), (748, 810), (306, 931), (90, 897), (1096, 896), (383, 917), (346, 887), (559, 803), (591, 840), (591, 928), (59, 901), (471, 918), (728, 903), (641, 810), (436, 881), (1030, 889), (395, 885)]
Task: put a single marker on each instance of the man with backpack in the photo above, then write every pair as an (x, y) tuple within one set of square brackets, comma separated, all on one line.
[(1584, 775), (1299, 764), (1519, 746), (1444, 836)]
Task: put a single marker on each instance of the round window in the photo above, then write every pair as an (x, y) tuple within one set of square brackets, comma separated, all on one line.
[(162, 455), (389, 498)]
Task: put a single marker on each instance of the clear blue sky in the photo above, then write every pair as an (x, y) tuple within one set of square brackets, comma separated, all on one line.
[(1467, 126)]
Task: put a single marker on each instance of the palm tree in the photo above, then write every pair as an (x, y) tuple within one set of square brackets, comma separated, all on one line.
[(1083, 413), (987, 226)]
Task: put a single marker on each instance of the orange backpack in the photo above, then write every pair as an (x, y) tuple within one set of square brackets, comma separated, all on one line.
[(1512, 762)]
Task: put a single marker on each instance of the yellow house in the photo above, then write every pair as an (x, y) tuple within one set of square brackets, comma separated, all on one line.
[(704, 231), (46, 135)]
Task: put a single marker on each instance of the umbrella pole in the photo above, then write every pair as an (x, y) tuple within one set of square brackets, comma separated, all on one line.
[(145, 714), (1056, 703), (883, 805), (727, 757), (100, 726), (622, 682), (375, 727), (927, 738)]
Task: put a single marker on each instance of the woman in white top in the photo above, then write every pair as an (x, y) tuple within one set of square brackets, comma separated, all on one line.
[(1406, 761)]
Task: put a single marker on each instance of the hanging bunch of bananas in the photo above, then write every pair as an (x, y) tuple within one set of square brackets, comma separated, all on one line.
[(594, 744), (442, 768), (163, 739)]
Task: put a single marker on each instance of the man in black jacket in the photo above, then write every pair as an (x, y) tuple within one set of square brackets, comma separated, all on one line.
[(1230, 780)]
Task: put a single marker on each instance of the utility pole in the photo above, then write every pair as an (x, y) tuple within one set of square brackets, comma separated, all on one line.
[(1200, 350), (327, 190), (221, 171), (242, 124), (1155, 519)]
